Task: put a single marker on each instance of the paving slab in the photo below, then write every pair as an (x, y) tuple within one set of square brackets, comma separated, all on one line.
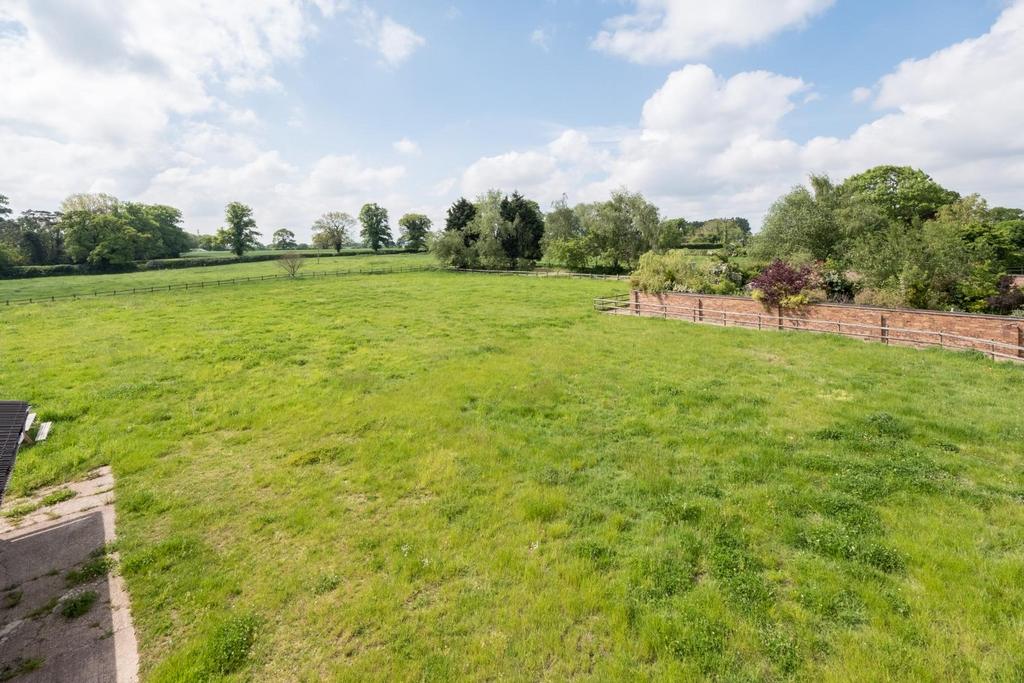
[(59, 628)]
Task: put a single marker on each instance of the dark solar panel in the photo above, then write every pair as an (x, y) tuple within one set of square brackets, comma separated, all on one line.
[(12, 421)]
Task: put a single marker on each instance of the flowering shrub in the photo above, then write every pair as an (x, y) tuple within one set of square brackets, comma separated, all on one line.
[(781, 285)]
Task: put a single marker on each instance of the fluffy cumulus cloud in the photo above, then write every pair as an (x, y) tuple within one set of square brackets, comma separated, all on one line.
[(106, 95), (709, 145), (660, 31)]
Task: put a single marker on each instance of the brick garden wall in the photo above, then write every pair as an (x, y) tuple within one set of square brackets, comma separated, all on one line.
[(988, 333)]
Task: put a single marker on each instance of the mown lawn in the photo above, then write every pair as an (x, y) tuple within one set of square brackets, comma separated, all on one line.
[(444, 476)]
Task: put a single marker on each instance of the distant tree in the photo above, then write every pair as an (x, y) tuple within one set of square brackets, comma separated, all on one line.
[(239, 234), (451, 249), (521, 238), (331, 230), (376, 232), (460, 215), (903, 193), (92, 203), (291, 263), (415, 228), (674, 233), (8, 259), (103, 240), (802, 225), (170, 240), (998, 214), (209, 243), (565, 239), (724, 231), (35, 237), (5, 207), (283, 238), (622, 229), (158, 224)]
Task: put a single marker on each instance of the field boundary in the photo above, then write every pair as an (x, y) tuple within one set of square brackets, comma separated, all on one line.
[(630, 304), (373, 270), (203, 284)]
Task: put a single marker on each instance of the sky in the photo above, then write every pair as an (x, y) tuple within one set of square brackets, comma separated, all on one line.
[(298, 107)]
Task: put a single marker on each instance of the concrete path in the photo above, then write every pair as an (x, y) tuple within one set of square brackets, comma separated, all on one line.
[(63, 615)]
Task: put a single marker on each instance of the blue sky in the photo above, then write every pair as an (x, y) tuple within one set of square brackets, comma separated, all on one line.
[(303, 106)]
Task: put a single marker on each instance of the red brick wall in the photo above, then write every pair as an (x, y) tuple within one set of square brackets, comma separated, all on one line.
[(889, 325)]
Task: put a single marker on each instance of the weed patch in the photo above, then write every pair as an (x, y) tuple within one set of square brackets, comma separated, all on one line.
[(77, 605), (58, 496)]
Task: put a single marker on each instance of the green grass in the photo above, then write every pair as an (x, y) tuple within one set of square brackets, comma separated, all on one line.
[(446, 476), (92, 569), (58, 496), (19, 667), (345, 253), (85, 285), (78, 605)]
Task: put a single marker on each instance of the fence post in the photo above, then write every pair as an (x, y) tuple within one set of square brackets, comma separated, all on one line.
[(700, 310), (1014, 336), (883, 323)]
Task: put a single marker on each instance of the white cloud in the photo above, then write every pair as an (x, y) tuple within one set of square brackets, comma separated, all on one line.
[(513, 171), (137, 98), (541, 37), (860, 95), (661, 31), (281, 193), (697, 103), (444, 187), (407, 147), (393, 41), (706, 145)]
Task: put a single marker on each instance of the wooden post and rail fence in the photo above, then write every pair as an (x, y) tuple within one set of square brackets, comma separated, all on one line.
[(999, 337)]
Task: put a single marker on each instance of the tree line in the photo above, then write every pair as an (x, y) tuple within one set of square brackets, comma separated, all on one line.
[(333, 230), (96, 229), (500, 231), (105, 233), (892, 236)]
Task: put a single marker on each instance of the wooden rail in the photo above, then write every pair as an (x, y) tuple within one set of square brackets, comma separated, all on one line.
[(625, 305)]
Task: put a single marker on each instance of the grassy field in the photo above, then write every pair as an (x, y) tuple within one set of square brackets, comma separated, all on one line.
[(85, 285), (270, 252), (440, 476)]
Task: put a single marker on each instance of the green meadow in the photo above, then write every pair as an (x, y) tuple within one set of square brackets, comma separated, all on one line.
[(444, 476), (89, 285)]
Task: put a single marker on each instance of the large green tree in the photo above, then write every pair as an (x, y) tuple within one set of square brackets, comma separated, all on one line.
[(460, 214), (623, 228), (802, 225), (103, 240), (331, 230), (903, 194), (521, 236), (415, 228), (283, 238), (239, 233), (565, 238), (376, 232)]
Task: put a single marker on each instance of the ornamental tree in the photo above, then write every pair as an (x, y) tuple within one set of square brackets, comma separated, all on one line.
[(781, 285)]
